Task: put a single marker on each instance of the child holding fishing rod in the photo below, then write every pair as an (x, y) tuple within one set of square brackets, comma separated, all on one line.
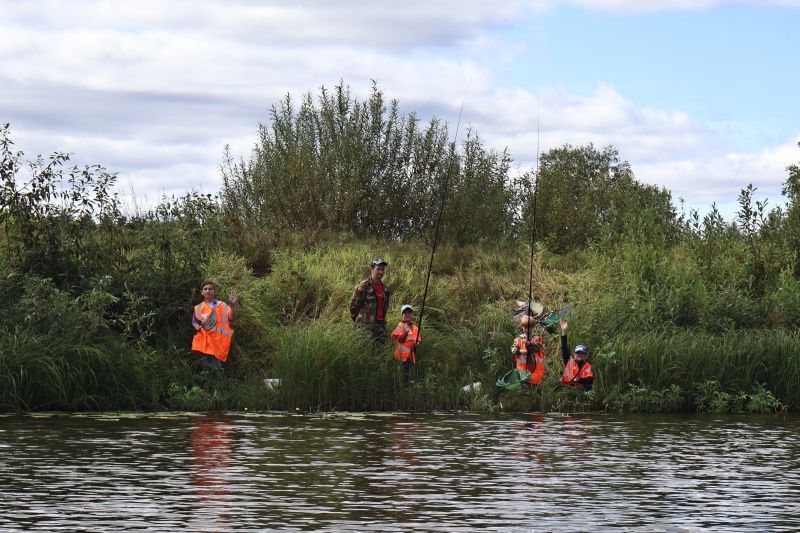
[(527, 350), (577, 369), (407, 337)]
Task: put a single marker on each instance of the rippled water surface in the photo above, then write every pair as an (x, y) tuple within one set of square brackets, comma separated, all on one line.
[(449, 472)]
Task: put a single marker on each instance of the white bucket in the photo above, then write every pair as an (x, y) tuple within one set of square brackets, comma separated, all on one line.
[(475, 387), (271, 383)]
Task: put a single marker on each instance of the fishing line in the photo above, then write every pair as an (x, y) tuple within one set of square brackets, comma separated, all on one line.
[(533, 231), (441, 210)]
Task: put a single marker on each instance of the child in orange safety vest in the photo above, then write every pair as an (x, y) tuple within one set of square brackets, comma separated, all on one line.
[(407, 337), (527, 351), (577, 370), (212, 320)]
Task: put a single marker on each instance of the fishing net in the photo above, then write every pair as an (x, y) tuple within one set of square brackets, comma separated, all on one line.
[(514, 380)]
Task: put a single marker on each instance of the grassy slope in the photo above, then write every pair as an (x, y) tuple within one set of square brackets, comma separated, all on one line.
[(644, 360), (663, 339)]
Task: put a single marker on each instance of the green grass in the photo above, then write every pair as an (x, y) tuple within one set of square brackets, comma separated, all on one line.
[(656, 348)]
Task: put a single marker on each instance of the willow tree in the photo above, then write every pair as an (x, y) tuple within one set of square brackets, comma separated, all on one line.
[(332, 162)]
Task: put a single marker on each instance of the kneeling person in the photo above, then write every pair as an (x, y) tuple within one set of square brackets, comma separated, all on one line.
[(407, 337)]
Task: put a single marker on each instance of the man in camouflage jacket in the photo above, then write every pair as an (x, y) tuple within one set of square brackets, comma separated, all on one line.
[(370, 303)]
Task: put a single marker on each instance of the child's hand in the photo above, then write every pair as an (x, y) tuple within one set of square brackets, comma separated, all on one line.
[(563, 326)]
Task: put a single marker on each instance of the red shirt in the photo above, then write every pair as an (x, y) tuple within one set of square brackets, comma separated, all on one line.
[(379, 295)]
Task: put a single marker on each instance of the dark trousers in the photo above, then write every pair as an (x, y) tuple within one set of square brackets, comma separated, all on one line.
[(407, 364), (209, 362)]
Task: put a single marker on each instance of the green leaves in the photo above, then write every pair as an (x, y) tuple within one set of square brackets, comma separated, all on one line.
[(334, 163), (586, 195)]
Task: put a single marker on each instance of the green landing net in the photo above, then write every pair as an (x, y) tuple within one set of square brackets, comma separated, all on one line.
[(514, 380), (551, 319)]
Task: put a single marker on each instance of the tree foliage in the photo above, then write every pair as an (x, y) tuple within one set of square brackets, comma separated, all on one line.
[(583, 192), (336, 163)]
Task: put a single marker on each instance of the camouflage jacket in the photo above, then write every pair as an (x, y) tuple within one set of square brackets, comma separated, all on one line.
[(364, 303)]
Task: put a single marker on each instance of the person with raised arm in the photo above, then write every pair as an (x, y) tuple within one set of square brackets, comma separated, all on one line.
[(577, 370)]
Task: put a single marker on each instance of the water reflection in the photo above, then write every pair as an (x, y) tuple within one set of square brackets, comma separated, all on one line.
[(403, 435), (544, 472), (212, 448), (527, 440)]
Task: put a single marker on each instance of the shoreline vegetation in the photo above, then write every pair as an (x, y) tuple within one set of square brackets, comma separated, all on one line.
[(683, 313)]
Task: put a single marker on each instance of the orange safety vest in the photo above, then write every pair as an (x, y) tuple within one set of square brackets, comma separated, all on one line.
[(406, 349), (214, 337), (570, 377), (534, 365)]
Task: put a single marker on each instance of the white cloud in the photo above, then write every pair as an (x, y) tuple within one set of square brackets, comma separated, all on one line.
[(282, 23), (666, 148), (653, 6), (154, 90), (720, 177), (603, 117)]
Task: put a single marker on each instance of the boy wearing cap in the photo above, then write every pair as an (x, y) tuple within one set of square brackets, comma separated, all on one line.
[(407, 337), (577, 371), (370, 302)]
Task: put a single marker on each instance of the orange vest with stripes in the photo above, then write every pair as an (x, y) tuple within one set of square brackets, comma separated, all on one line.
[(571, 376), (215, 335), (407, 337), (533, 364)]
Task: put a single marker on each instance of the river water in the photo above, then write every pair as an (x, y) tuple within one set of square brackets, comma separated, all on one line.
[(395, 471)]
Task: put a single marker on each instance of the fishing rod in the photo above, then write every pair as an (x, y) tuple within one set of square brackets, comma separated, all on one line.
[(533, 231), (439, 217)]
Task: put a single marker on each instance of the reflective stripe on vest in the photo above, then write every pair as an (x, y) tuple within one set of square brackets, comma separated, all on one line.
[(571, 371), (522, 356), (223, 327), (405, 349), (208, 322), (217, 320), (523, 350)]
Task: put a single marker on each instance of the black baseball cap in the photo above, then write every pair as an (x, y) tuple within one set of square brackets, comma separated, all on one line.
[(379, 262)]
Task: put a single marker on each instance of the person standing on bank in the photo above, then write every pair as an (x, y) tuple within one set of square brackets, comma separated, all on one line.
[(407, 337), (370, 303), (212, 321), (577, 371)]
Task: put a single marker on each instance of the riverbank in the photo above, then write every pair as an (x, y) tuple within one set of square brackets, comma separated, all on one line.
[(295, 326)]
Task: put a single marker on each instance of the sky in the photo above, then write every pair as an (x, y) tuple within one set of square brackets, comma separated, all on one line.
[(698, 95)]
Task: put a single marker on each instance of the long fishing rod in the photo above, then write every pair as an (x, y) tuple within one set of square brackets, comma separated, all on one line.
[(439, 217), (533, 231)]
